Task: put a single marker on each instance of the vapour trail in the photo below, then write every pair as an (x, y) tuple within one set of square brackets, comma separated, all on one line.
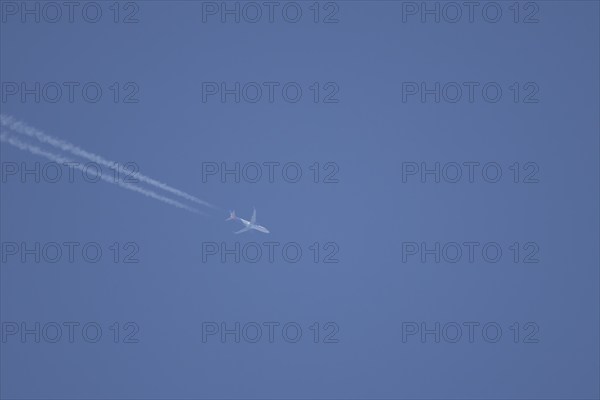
[(4, 137), (24, 129)]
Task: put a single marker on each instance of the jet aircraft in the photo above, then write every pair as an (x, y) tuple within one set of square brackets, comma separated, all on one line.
[(248, 225)]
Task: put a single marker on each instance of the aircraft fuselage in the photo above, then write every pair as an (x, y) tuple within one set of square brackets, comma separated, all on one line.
[(250, 225)]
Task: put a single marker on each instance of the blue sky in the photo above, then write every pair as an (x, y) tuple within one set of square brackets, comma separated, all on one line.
[(155, 113)]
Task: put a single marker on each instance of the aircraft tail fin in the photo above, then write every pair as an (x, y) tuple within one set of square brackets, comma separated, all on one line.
[(231, 216)]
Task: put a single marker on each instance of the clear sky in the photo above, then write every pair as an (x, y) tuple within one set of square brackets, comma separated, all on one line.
[(389, 104)]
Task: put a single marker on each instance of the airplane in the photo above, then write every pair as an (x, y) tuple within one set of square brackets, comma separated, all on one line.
[(248, 225)]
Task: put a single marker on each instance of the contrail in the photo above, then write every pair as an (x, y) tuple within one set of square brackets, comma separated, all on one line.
[(24, 129), (4, 137)]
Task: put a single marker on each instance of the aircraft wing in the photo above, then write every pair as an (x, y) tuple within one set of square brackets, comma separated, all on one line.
[(242, 230), (253, 219)]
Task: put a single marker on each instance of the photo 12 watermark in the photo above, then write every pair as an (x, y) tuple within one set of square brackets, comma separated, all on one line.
[(70, 92), (270, 12), (269, 332), (470, 92), (69, 332), (70, 12), (68, 252), (270, 252), (69, 172), (228, 172), (470, 332), (470, 12), (453, 172), (270, 92), (469, 252)]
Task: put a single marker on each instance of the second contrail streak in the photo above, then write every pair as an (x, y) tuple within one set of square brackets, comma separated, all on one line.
[(24, 129), (4, 137)]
